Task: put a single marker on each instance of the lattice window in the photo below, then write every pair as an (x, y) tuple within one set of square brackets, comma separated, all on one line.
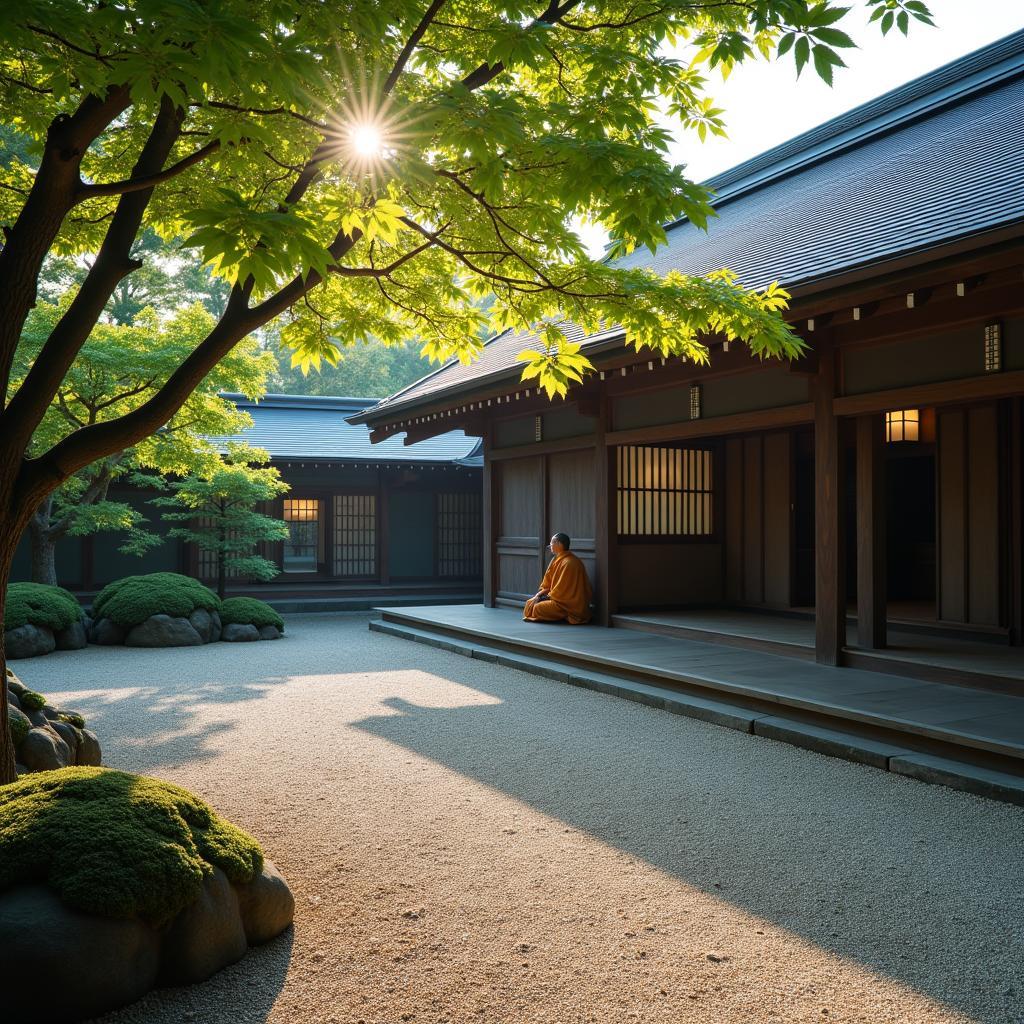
[(302, 548), (459, 535), (665, 492), (355, 535)]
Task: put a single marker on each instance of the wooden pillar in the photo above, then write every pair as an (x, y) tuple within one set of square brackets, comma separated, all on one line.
[(487, 515), (871, 556), (829, 542), (606, 525), (384, 524), (1016, 520)]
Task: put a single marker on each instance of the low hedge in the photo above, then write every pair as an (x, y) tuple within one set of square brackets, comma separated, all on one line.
[(134, 599), (37, 604), (116, 844), (248, 611)]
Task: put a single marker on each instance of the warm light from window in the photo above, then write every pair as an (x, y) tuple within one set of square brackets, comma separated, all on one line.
[(903, 425), (993, 348), (301, 510)]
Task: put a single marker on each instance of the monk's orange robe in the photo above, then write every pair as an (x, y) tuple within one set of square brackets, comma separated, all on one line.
[(568, 591)]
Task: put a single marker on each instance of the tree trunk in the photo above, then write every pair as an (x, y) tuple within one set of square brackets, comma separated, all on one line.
[(221, 554), (44, 544), (8, 542)]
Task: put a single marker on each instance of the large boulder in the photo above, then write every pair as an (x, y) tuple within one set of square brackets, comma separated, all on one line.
[(81, 964), (163, 631), (89, 752), (116, 883), (28, 641), (71, 638), (236, 632), (107, 633)]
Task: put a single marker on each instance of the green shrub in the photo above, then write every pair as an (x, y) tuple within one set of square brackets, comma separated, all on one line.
[(72, 718), (135, 598), (249, 611), (31, 701), (116, 844), (40, 605), (19, 727)]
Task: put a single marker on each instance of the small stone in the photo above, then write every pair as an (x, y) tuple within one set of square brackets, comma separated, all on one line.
[(107, 633), (28, 641), (42, 750), (69, 734), (163, 631), (14, 684), (266, 905), (89, 752), (71, 638), (269, 633), (202, 622), (236, 632), (217, 627)]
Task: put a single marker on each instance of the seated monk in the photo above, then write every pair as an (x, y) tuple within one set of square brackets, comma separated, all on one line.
[(564, 593)]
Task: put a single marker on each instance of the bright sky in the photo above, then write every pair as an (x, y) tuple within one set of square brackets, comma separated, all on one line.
[(765, 104)]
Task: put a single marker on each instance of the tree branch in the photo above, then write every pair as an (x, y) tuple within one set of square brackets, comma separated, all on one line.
[(148, 181), (410, 45)]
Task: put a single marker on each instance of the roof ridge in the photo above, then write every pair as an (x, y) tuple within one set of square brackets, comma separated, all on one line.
[(280, 400), (945, 85)]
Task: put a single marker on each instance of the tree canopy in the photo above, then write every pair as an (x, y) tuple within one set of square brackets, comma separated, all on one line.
[(367, 170)]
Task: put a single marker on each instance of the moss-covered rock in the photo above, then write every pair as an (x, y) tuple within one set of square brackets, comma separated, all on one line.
[(35, 604), (130, 601), (248, 611), (31, 701), (117, 845)]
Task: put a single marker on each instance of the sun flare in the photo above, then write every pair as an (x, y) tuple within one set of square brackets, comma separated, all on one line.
[(367, 141)]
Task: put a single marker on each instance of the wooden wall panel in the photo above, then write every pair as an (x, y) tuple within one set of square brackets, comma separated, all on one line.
[(984, 583), (571, 498), (952, 482), (753, 521), (778, 499), (969, 536), (520, 514), (520, 518)]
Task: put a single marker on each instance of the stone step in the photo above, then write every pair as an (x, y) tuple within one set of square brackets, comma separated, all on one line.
[(883, 753)]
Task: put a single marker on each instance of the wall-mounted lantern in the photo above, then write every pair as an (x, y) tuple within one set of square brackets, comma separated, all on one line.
[(903, 425)]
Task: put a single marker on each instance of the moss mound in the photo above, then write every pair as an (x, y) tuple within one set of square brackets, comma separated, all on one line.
[(40, 605), (116, 844), (18, 726), (248, 611), (135, 598)]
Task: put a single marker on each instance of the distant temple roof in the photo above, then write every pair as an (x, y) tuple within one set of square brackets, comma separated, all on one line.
[(936, 161), (314, 427)]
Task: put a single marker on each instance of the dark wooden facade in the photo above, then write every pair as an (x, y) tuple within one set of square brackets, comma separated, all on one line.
[(812, 505)]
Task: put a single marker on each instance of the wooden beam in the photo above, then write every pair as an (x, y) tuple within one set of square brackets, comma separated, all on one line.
[(966, 389), (762, 419), (829, 533), (871, 542), (519, 451), (1016, 520), (384, 523)]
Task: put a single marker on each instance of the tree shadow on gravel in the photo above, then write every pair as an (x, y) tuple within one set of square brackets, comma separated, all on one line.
[(917, 883)]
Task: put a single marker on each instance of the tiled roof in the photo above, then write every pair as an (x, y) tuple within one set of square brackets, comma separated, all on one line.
[(294, 427), (934, 161)]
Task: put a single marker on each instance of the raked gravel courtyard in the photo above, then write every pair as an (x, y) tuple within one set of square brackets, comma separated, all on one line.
[(470, 843)]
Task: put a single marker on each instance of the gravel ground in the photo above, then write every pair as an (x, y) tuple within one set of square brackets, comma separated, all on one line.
[(470, 843)]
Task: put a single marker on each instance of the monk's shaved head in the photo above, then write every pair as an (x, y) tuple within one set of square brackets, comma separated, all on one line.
[(563, 539)]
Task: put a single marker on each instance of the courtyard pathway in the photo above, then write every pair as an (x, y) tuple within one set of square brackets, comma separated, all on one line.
[(470, 843)]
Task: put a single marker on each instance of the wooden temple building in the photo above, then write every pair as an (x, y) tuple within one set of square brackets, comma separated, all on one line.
[(368, 524), (860, 507)]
